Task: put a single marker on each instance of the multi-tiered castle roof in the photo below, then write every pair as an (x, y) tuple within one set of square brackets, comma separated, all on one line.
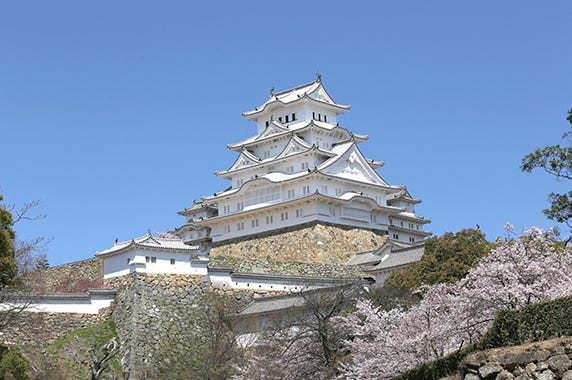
[(300, 167)]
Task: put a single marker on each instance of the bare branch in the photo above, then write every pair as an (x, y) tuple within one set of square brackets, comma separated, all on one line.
[(22, 213), (100, 364)]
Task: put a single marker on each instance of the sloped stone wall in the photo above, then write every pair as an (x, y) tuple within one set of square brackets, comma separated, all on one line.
[(315, 242), (58, 278), (151, 313), (547, 360), (38, 328)]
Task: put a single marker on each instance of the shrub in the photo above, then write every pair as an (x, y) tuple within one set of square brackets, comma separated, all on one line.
[(15, 364)]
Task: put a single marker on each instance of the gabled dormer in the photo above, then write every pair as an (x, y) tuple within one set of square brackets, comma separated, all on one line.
[(349, 163), (244, 160), (294, 146), (272, 128)]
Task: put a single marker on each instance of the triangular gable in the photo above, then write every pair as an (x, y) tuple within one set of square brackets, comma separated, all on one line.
[(339, 132), (320, 94), (147, 240), (295, 145), (244, 160), (351, 164), (272, 129)]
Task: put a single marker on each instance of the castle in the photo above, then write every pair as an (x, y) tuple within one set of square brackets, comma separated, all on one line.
[(300, 180), (305, 210)]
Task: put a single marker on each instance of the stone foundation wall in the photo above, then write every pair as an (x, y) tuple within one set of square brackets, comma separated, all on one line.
[(315, 242), (39, 328), (152, 313), (73, 277), (547, 360)]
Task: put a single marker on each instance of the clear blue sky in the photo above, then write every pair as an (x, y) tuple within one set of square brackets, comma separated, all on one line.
[(116, 114)]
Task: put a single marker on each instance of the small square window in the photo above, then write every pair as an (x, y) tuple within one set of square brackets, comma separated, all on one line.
[(172, 261), (147, 259), (153, 260)]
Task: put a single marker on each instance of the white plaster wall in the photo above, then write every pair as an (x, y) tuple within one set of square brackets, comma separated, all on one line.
[(163, 262), (117, 265), (404, 236), (225, 280), (321, 212), (299, 110), (199, 269), (114, 266), (65, 305)]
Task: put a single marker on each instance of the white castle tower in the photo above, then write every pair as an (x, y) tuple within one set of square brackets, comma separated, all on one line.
[(301, 167)]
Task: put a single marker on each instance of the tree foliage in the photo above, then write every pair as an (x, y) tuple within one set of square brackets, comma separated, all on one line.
[(557, 161), (15, 364), (447, 259), (517, 272), (8, 266)]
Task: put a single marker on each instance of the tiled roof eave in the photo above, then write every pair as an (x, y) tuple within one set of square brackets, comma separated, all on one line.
[(293, 278), (388, 187), (254, 141), (413, 218), (312, 149), (390, 209), (134, 245), (251, 115), (409, 230)]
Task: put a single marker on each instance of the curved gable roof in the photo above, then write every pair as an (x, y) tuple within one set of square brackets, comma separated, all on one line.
[(350, 163), (298, 128), (147, 241), (295, 145), (313, 91), (245, 159)]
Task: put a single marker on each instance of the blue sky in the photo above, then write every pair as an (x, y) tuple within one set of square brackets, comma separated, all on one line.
[(114, 115)]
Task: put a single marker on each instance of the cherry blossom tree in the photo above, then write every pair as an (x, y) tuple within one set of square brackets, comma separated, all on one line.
[(528, 269)]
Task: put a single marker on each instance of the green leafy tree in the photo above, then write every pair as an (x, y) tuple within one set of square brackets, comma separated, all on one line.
[(8, 265), (557, 161), (447, 259), (15, 364)]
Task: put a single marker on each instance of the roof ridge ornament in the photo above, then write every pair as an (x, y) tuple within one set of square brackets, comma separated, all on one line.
[(318, 77), (272, 91)]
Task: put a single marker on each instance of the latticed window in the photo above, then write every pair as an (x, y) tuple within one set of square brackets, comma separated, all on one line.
[(264, 195)]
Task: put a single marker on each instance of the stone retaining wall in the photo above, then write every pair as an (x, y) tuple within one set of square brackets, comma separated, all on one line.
[(39, 328), (152, 313), (547, 360), (315, 242), (73, 277)]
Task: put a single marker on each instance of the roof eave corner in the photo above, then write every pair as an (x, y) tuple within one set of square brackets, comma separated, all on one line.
[(251, 115)]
